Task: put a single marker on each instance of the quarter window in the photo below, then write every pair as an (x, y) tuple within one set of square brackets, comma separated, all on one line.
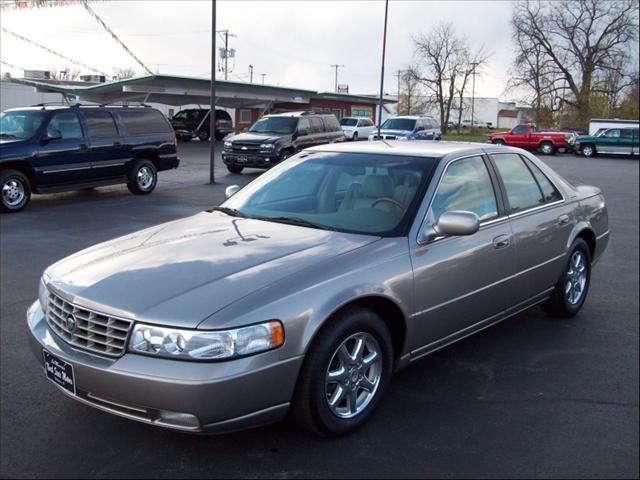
[(316, 125), (100, 124), (144, 121), (67, 123), (522, 189), (466, 185)]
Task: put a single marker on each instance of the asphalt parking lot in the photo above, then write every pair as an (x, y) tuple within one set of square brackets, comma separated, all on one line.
[(532, 397)]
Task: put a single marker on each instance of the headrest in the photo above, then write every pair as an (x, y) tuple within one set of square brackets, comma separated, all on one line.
[(376, 186), (411, 180)]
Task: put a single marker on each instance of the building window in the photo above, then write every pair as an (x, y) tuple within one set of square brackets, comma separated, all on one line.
[(338, 113), (245, 116)]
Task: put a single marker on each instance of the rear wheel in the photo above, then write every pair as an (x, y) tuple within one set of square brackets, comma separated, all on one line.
[(571, 290), (15, 190), (588, 150), (143, 177), (235, 168), (203, 135), (547, 148), (498, 142), (345, 373)]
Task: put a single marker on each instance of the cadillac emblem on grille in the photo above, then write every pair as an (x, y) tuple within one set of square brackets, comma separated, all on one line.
[(71, 323)]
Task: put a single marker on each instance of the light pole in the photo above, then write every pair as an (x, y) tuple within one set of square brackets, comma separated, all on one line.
[(212, 111), (336, 66), (473, 91), (263, 75), (384, 46), (250, 73)]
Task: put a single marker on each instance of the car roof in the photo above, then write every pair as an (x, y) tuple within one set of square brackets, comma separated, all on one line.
[(291, 114), (83, 107), (434, 149)]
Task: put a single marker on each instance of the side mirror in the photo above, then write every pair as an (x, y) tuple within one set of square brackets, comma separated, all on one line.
[(453, 222), (230, 191), (52, 134)]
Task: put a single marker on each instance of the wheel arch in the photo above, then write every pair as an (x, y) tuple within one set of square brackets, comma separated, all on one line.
[(23, 167), (584, 231), (147, 155)]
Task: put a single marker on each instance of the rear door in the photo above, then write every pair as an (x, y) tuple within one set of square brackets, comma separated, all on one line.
[(67, 159), (107, 153), (541, 221), (318, 133)]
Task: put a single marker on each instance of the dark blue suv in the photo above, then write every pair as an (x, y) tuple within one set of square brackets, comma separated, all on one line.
[(52, 149)]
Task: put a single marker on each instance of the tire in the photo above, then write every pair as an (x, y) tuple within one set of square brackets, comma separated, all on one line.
[(285, 154), (219, 136), (310, 407), (143, 177), (547, 148), (498, 142), (15, 190), (184, 138), (235, 168), (572, 288), (355, 136), (203, 135), (588, 150)]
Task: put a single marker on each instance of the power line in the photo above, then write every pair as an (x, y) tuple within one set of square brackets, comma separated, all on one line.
[(114, 36), (225, 37), (11, 66), (53, 52), (336, 66)]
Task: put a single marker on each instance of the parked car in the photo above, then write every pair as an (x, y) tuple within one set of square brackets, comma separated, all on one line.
[(194, 122), (305, 290), (356, 128), (598, 124), (527, 136), (575, 130), (274, 138), (408, 128), (53, 149), (622, 141)]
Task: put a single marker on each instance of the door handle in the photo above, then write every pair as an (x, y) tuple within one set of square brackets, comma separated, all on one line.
[(84, 146), (501, 241), (563, 219), (117, 144)]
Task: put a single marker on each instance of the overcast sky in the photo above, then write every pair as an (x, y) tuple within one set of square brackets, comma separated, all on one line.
[(292, 42)]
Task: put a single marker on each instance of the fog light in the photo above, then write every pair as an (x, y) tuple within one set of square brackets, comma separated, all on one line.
[(267, 159), (177, 419)]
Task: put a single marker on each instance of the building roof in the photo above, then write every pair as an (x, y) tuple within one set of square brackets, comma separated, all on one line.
[(508, 113), (180, 90)]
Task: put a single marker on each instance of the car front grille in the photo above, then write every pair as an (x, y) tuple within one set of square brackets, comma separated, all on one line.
[(85, 329), (384, 137), (245, 148)]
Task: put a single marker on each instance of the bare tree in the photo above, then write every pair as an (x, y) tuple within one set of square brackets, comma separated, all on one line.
[(473, 61), (584, 43), (441, 61), (123, 73), (66, 73), (412, 100)]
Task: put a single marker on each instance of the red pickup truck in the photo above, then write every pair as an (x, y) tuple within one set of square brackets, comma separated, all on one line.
[(527, 136)]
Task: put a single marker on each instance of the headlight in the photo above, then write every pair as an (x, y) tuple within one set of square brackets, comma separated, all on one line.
[(206, 345), (42, 295), (267, 146), (402, 138), (228, 144)]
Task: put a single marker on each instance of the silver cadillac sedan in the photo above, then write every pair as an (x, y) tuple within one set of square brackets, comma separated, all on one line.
[(305, 290)]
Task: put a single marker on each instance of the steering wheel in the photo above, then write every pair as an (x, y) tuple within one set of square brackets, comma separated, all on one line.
[(393, 201)]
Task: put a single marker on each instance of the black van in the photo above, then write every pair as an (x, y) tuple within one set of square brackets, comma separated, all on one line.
[(194, 122), (49, 149), (278, 136)]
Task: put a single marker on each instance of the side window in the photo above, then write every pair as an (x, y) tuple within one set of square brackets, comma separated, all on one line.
[(466, 185), (522, 129), (549, 192), (180, 115), (522, 189), (100, 123), (419, 125), (316, 125), (303, 124), (626, 133), (144, 121), (613, 133), (67, 123)]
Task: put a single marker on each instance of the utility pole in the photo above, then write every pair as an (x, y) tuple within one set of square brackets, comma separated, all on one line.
[(384, 47), (250, 73), (473, 91), (263, 75), (212, 111), (226, 35), (399, 75), (158, 66), (336, 66)]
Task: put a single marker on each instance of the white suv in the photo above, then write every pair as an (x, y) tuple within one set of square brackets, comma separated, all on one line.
[(355, 128)]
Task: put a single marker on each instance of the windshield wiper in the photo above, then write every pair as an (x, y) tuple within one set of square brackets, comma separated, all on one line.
[(301, 222), (229, 211), (7, 135)]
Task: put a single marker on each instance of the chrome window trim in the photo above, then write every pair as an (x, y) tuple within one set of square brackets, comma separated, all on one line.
[(435, 192)]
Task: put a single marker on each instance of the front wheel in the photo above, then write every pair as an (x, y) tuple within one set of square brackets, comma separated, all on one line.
[(203, 135), (143, 177), (571, 290), (345, 374), (234, 168), (16, 191), (355, 136), (588, 150)]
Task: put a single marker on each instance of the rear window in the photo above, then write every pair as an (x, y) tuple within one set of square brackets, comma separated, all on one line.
[(138, 122), (222, 115), (331, 123), (100, 123)]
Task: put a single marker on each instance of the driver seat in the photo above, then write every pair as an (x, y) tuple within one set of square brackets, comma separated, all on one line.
[(372, 188)]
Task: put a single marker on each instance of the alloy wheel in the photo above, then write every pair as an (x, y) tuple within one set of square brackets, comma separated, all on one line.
[(13, 192), (576, 278), (144, 177)]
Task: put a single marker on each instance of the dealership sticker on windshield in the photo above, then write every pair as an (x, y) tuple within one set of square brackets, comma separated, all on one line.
[(59, 372)]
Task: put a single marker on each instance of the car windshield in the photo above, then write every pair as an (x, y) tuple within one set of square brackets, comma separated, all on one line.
[(349, 122), (349, 192), (20, 125), (275, 125), (399, 124)]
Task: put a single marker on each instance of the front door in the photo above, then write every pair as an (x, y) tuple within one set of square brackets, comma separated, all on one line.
[(519, 136), (66, 159), (460, 281)]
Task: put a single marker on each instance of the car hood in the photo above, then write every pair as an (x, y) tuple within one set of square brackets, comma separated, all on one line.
[(12, 141), (387, 131), (181, 272), (250, 137)]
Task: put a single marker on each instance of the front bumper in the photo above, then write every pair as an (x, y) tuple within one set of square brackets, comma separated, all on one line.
[(187, 396), (252, 160)]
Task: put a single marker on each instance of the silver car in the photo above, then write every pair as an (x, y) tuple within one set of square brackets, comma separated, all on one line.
[(306, 289)]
